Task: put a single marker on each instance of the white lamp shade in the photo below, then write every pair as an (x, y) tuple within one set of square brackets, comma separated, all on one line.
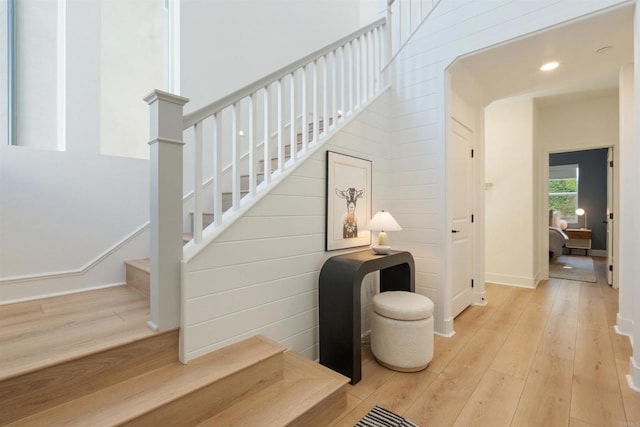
[(383, 221)]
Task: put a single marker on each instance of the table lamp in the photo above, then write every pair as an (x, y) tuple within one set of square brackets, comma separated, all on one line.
[(383, 222), (581, 212)]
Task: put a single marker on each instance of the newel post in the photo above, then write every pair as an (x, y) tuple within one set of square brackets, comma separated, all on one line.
[(166, 207)]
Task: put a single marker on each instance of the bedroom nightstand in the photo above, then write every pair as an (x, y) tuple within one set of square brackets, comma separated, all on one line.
[(579, 238)]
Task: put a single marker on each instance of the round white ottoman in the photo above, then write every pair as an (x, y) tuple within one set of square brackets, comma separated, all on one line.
[(402, 330)]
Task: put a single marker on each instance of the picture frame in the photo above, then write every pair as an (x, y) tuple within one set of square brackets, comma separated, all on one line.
[(348, 201)]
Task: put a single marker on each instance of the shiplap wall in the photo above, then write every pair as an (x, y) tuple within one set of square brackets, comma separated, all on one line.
[(261, 275)]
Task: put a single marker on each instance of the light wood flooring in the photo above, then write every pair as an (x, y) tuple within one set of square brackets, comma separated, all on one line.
[(544, 357), (40, 333)]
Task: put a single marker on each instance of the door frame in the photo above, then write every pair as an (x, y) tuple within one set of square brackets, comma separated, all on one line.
[(544, 201), (467, 113)]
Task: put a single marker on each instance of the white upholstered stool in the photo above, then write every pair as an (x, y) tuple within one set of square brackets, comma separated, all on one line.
[(402, 330)]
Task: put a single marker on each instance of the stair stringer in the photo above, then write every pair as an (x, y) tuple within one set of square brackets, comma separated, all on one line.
[(209, 234)]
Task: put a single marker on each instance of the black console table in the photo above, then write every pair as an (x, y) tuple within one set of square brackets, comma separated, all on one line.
[(339, 303)]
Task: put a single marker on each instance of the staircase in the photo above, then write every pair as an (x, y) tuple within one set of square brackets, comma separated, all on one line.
[(138, 270), (254, 382)]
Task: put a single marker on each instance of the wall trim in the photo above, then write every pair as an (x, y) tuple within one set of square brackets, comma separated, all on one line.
[(448, 331), (440, 334), (633, 377), (478, 298), (62, 293), (623, 326), (517, 281), (82, 270)]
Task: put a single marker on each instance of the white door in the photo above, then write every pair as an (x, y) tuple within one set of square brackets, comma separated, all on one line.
[(609, 219), (461, 232)]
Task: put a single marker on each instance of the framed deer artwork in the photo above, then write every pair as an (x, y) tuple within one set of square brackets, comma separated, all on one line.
[(348, 201)]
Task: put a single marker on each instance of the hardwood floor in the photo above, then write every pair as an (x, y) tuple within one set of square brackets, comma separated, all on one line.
[(40, 333), (544, 357)]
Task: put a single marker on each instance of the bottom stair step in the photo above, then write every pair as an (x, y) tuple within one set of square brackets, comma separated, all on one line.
[(254, 382), (176, 394), (309, 395)]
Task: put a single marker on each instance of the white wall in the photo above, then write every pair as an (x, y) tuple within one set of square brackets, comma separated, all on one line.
[(571, 123), (226, 45), (64, 211), (525, 132), (66, 217), (133, 43), (60, 213), (261, 275), (509, 196)]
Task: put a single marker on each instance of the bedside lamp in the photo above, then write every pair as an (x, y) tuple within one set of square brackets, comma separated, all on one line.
[(581, 212), (383, 222)]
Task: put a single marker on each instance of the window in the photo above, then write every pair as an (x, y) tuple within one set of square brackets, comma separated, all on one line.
[(33, 56), (103, 55), (563, 191)]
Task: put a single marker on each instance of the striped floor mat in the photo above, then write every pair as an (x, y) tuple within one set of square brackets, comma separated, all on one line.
[(380, 417)]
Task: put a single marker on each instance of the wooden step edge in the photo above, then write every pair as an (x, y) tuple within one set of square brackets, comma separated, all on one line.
[(142, 264), (167, 395), (308, 395), (295, 359), (41, 389)]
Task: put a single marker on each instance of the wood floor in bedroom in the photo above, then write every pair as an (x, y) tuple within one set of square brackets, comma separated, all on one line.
[(544, 357)]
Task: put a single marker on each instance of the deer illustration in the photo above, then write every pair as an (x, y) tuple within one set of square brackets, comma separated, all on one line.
[(349, 220)]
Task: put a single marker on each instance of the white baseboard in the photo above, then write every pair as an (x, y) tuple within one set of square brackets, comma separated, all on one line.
[(504, 279), (447, 328), (105, 271), (623, 326), (633, 377), (478, 298), (449, 335)]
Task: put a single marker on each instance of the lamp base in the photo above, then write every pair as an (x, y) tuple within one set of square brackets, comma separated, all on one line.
[(381, 249)]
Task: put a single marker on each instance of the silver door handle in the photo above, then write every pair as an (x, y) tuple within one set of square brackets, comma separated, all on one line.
[(455, 231)]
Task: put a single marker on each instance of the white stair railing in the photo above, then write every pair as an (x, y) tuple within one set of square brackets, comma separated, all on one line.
[(240, 145), (403, 19), (264, 129)]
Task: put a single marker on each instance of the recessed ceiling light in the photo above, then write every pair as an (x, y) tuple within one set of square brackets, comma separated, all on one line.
[(549, 66)]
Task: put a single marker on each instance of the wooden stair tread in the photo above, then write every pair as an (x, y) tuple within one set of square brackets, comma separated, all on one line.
[(42, 333), (125, 401), (44, 388), (143, 264), (306, 385)]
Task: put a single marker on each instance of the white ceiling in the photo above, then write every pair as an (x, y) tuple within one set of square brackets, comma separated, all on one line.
[(512, 69)]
